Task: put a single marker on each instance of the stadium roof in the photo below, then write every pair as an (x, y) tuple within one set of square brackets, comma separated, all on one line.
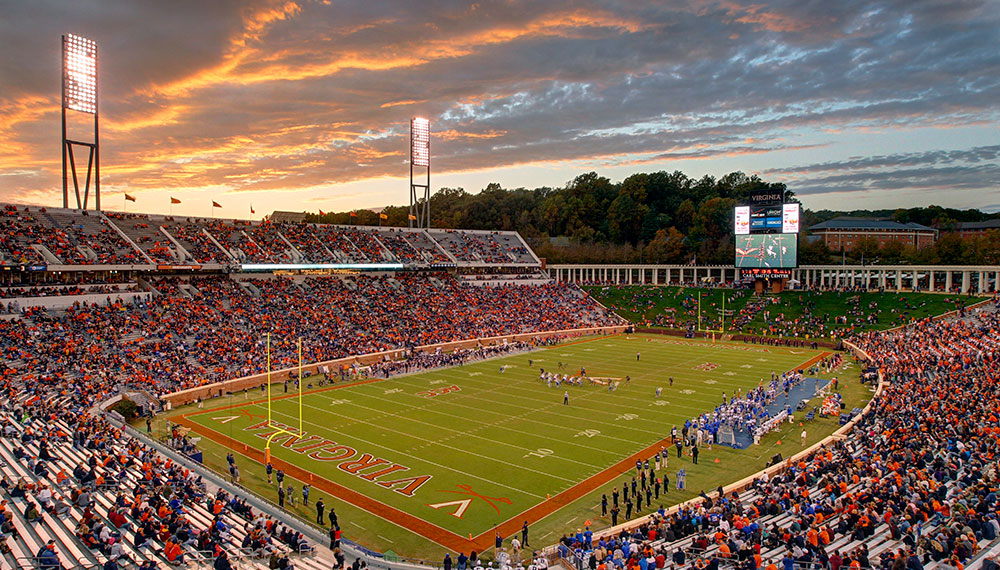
[(847, 223), (288, 217)]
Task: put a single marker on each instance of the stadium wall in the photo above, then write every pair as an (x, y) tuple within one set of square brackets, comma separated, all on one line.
[(64, 301), (736, 337), (216, 389)]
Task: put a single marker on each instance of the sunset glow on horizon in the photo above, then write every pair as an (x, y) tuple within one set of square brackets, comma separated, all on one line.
[(305, 105)]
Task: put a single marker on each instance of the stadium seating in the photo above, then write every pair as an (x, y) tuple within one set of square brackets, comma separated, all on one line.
[(207, 328), (144, 231), (72, 479), (916, 477), (56, 236), (915, 480)]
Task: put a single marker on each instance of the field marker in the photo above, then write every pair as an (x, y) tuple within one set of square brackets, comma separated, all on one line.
[(357, 525), (523, 416), (225, 419), (383, 538)]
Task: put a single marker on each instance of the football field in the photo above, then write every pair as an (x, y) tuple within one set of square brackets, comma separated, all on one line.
[(451, 454)]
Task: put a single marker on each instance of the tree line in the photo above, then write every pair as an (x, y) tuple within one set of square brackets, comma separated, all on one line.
[(658, 217)]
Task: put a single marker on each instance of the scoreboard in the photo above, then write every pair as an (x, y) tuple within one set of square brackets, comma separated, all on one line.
[(775, 251), (771, 218), (767, 232)]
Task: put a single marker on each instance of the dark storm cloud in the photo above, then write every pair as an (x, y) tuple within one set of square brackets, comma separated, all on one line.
[(286, 95)]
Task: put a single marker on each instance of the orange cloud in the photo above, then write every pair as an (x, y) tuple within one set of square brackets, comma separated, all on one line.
[(401, 103), (145, 119), (452, 134), (248, 65)]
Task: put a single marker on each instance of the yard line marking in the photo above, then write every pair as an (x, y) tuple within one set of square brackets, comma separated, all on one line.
[(497, 424), (459, 432), (459, 395), (383, 538), (357, 525)]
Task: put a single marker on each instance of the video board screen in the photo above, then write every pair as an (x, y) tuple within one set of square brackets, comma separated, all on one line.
[(779, 251)]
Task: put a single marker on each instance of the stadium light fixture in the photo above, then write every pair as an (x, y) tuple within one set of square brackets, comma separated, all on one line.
[(420, 161), (79, 74), (79, 93), (420, 141)]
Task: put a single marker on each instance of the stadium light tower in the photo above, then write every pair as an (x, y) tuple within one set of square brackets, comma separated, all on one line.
[(79, 93), (420, 162)]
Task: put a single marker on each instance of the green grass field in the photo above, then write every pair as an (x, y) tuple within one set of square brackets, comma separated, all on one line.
[(493, 447), (642, 304)]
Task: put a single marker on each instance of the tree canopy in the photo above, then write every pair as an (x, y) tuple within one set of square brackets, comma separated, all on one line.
[(656, 217)]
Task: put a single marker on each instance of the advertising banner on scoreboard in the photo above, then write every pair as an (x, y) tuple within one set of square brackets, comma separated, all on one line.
[(779, 251), (765, 217), (790, 218), (742, 225)]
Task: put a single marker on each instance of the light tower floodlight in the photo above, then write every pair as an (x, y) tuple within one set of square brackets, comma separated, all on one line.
[(420, 160), (79, 93)]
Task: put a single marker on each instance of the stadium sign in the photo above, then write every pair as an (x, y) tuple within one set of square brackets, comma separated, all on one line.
[(765, 273), (766, 197), (178, 267)]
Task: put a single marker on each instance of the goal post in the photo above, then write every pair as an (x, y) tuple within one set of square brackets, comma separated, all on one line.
[(280, 429), (701, 328)]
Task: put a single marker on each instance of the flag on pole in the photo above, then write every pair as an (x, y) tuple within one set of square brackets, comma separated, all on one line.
[(216, 204), (251, 208), (354, 215), (321, 213), (412, 217), (129, 197), (383, 216), (174, 200)]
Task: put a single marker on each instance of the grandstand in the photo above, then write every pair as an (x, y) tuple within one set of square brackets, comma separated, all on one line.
[(63, 239), (100, 304), (911, 483), (95, 308)]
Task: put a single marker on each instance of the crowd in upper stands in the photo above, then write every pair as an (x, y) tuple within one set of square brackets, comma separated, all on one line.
[(28, 234)]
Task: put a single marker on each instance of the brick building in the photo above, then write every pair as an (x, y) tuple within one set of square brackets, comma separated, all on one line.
[(976, 229), (844, 233)]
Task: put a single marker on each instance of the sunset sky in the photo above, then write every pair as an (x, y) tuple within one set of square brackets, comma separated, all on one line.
[(304, 105)]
